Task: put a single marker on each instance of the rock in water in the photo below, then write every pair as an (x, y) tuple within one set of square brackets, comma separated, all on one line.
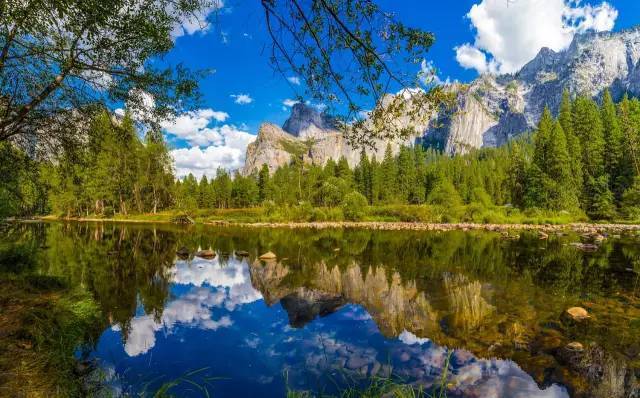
[(577, 314), (183, 252), (207, 254), (242, 253), (268, 256), (575, 346)]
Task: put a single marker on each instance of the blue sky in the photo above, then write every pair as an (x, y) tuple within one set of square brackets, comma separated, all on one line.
[(494, 36)]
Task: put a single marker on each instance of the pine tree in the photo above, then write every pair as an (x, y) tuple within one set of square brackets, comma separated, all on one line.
[(542, 138), (517, 176), (587, 123), (587, 126), (562, 194), (222, 189), (629, 121), (388, 175), (613, 145), (264, 184), (203, 193), (574, 147), (406, 173)]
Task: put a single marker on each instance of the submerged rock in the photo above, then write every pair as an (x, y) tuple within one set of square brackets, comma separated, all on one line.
[(183, 252), (575, 346), (207, 254), (577, 314), (268, 256)]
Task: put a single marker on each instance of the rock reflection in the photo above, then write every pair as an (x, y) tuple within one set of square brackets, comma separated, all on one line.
[(468, 306), (395, 306), (485, 296)]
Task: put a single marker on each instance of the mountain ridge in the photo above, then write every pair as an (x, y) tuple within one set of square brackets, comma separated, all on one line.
[(487, 112)]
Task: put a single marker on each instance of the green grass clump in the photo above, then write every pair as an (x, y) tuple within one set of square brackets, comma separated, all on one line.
[(356, 210), (44, 322)]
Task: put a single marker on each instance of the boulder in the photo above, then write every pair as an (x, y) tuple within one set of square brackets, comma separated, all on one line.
[(576, 314), (207, 254), (268, 256), (183, 252), (242, 253)]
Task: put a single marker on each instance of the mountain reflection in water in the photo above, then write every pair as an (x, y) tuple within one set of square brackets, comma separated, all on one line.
[(338, 306)]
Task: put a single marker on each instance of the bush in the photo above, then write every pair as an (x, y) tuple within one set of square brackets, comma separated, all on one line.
[(354, 206), (302, 212), (480, 196), (444, 194), (334, 214)]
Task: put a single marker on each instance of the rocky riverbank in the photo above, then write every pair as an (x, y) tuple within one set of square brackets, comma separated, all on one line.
[(583, 228)]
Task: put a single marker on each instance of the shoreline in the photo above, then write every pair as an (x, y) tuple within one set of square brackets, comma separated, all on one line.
[(373, 225)]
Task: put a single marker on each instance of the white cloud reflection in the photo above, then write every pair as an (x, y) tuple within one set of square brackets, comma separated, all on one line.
[(214, 286)]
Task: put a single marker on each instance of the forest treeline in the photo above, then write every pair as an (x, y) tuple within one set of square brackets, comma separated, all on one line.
[(584, 161)]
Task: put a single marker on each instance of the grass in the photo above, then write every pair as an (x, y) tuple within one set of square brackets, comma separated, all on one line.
[(379, 386), (43, 323), (470, 213)]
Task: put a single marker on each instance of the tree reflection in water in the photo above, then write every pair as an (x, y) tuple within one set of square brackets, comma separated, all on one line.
[(398, 298)]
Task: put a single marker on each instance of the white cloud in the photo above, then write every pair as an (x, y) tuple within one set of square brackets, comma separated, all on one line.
[(289, 102), (242, 99), (428, 74), (212, 146), (510, 35), (233, 277), (197, 22), (194, 127), (410, 339), (294, 80), (193, 309), (230, 155), (470, 57)]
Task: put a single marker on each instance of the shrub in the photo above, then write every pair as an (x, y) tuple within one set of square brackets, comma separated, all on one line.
[(302, 212), (354, 206), (334, 214), (444, 194), (270, 208), (480, 196)]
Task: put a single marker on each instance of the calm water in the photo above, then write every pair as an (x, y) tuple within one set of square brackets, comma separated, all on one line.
[(337, 307)]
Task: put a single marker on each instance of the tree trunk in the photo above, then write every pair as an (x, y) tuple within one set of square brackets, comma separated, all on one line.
[(155, 200)]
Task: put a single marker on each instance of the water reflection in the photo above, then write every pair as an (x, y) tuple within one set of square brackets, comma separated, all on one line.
[(336, 306)]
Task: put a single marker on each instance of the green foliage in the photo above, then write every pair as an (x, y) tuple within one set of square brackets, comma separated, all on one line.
[(559, 169), (81, 56), (22, 191), (115, 173), (444, 194), (354, 206)]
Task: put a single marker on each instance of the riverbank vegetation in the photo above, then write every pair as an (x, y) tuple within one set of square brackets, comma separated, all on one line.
[(44, 322), (582, 165)]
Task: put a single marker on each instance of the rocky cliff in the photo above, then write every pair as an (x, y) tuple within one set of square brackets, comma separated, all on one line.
[(492, 109), (311, 136), (487, 112)]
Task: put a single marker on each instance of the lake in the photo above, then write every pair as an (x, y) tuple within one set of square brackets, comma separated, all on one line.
[(469, 314)]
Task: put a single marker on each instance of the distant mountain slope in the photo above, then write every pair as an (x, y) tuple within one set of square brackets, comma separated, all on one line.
[(492, 109), (488, 111)]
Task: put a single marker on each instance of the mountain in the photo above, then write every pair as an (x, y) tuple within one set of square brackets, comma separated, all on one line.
[(492, 109), (312, 136), (486, 113)]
